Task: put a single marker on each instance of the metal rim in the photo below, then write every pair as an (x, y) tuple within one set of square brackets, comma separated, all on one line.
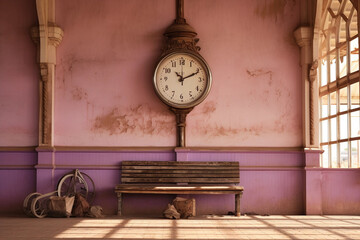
[(198, 100)]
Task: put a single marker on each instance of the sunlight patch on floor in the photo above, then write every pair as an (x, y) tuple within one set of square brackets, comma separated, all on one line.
[(245, 227)]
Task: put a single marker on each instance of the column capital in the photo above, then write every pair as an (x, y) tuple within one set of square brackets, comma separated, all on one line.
[(303, 36), (53, 33)]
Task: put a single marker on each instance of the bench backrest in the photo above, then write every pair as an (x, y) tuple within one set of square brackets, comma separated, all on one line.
[(170, 172)]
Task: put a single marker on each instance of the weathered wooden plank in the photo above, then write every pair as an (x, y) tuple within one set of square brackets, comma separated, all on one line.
[(181, 180), (180, 192), (178, 167), (176, 175), (168, 163), (199, 172), (169, 187), (179, 171)]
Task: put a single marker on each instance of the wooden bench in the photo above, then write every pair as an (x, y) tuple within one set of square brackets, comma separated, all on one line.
[(168, 177)]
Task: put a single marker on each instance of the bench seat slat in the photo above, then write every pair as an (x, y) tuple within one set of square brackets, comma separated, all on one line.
[(180, 180), (176, 189), (169, 163), (177, 175), (161, 171), (179, 167)]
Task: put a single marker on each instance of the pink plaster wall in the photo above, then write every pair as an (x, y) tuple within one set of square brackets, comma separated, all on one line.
[(17, 179), (18, 74), (340, 191), (103, 91)]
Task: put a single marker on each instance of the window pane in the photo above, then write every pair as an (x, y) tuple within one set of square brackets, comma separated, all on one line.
[(333, 129), (354, 90), (355, 124), (332, 66), (327, 23), (354, 55), (343, 63), (334, 159), (344, 126), (334, 6), (324, 131), (344, 154), (355, 153), (333, 103), (342, 49), (342, 30), (325, 156), (353, 25), (332, 41), (324, 106), (324, 70), (347, 9), (343, 99)]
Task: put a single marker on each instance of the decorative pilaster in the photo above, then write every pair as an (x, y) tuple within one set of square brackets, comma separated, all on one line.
[(47, 37), (303, 36), (312, 82), (313, 197)]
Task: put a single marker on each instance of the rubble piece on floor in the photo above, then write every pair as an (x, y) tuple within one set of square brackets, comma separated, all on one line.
[(186, 207), (171, 212)]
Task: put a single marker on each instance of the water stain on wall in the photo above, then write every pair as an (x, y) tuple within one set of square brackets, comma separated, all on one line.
[(261, 72), (221, 131), (207, 108), (273, 9), (79, 94), (140, 119)]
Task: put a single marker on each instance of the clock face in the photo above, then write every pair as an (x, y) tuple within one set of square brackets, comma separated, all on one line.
[(182, 80)]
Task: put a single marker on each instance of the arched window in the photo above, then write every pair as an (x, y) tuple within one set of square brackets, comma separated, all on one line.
[(339, 85)]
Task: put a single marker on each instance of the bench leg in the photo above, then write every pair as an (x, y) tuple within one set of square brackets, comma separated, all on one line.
[(119, 204), (237, 204)]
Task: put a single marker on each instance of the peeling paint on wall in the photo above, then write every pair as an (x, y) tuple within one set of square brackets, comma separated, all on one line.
[(261, 72), (274, 9), (140, 119), (79, 94), (207, 108), (219, 130)]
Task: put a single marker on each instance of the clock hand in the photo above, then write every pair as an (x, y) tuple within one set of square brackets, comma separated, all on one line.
[(197, 71), (177, 74), (181, 79), (182, 75)]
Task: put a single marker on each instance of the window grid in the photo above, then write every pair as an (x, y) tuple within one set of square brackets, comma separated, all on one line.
[(339, 86)]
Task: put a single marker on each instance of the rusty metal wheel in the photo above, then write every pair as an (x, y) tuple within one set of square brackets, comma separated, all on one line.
[(39, 206), (27, 203)]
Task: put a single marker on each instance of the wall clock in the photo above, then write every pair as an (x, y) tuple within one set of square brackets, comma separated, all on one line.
[(182, 78)]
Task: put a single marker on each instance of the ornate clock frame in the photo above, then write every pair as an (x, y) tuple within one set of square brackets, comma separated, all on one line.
[(180, 36)]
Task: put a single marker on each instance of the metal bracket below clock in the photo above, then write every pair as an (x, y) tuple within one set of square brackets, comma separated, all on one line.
[(180, 115)]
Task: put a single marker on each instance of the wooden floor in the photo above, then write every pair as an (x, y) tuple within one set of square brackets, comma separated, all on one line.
[(207, 227)]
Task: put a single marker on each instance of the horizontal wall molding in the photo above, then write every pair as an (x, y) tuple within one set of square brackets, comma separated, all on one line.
[(320, 169), (17, 167), (190, 149), (95, 167), (148, 149), (117, 167), (111, 149), (241, 149), (18, 149)]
